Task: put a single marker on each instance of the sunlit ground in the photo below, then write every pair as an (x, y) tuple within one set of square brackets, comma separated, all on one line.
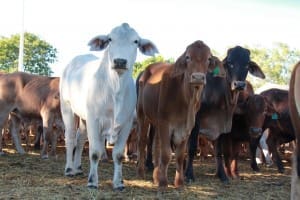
[(30, 177)]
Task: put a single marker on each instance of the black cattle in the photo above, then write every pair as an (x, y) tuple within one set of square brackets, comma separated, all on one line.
[(219, 100)]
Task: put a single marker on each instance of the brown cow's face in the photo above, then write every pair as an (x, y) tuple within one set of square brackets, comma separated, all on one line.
[(256, 109), (196, 61)]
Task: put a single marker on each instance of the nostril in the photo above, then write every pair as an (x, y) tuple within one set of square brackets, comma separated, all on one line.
[(120, 61)]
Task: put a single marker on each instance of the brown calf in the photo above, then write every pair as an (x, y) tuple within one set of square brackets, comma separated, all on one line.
[(169, 96)]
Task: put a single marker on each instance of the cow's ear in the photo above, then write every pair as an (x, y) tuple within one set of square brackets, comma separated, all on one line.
[(255, 70), (99, 43), (147, 47)]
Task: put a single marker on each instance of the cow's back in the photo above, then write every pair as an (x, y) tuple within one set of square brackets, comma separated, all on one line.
[(11, 86)]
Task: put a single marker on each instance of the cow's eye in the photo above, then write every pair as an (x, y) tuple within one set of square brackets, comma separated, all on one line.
[(187, 58), (136, 41), (109, 40)]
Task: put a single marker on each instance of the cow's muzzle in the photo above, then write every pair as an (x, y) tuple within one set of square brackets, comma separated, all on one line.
[(120, 64), (255, 132), (238, 85), (198, 78)]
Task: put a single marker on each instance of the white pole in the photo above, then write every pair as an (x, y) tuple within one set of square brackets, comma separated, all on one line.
[(21, 47)]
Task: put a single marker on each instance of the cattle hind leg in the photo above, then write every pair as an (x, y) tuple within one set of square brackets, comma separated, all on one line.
[(70, 137), (81, 138)]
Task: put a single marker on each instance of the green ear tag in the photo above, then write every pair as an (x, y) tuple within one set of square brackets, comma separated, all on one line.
[(216, 71), (274, 116)]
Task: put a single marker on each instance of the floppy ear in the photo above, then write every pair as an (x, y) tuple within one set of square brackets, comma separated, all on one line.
[(255, 70), (99, 43), (147, 47)]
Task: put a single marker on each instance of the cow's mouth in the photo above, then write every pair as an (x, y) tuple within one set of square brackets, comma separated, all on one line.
[(118, 67), (198, 79)]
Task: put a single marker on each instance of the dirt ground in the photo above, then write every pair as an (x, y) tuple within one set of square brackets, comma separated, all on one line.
[(30, 177)]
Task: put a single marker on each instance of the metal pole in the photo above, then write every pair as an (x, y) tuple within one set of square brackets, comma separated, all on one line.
[(21, 47)]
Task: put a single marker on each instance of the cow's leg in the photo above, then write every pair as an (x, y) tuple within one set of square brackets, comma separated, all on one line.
[(142, 141), (165, 155), (219, 160), (253, 147), (15, 133), (180, 151), (117, 155), (192, 149), (3, 119), (234, 162), (53, 141), (81, 137), (227, 152), (47, 132), (70, 137), (38, 136), (156, 156), (95, 150), (149, 163), (273, 149)]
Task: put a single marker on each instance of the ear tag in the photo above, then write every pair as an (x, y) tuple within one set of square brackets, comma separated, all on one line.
[(216, 71), (274, 116)]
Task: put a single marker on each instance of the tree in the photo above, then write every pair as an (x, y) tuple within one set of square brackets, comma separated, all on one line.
[(140, 66), (38, 54), (276, 62)]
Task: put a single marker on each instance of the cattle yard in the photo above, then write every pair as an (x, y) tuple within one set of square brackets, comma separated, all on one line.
[(30, 177)]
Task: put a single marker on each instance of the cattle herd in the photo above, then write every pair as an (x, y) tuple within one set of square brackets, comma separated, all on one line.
[(169, 107)]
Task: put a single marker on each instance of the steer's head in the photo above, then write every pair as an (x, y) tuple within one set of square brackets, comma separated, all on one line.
[(237, 65), (193, 63), (254, 108), (121, 46)]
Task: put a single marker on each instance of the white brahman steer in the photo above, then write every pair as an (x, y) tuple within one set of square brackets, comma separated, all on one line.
[(101, 92)]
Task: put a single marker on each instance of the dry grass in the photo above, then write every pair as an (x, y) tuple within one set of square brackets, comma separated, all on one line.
[(30, 177)]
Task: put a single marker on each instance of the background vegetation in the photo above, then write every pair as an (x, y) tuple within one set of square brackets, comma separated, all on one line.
[(276, 62), (38, 54)]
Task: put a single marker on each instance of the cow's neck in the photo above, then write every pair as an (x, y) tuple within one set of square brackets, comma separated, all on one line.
[(192, 98)]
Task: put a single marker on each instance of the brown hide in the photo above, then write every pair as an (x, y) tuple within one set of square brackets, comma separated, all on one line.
[(30, 96), (294, 106), (169, 96)]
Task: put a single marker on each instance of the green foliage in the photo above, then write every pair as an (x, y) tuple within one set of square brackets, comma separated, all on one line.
[(140, 66), (38, 54), (276, 63)]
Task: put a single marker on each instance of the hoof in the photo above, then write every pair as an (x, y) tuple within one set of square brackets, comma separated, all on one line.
[(90, 186), (69, 172), (119, 189), (44, 157)]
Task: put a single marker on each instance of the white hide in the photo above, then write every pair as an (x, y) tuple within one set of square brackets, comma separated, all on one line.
[(102, 96)]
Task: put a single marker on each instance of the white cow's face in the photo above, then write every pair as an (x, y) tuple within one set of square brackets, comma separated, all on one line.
[(121, 45)]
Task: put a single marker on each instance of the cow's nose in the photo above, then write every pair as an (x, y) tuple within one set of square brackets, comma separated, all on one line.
[(255, 132), (238, 85), (198, 78), (120, 63)]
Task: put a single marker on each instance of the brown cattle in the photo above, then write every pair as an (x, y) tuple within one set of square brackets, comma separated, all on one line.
[(30, 96), (294, 106), (169, 97)]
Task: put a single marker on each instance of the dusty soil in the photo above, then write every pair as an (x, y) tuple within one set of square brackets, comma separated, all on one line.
[(30, 177)]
